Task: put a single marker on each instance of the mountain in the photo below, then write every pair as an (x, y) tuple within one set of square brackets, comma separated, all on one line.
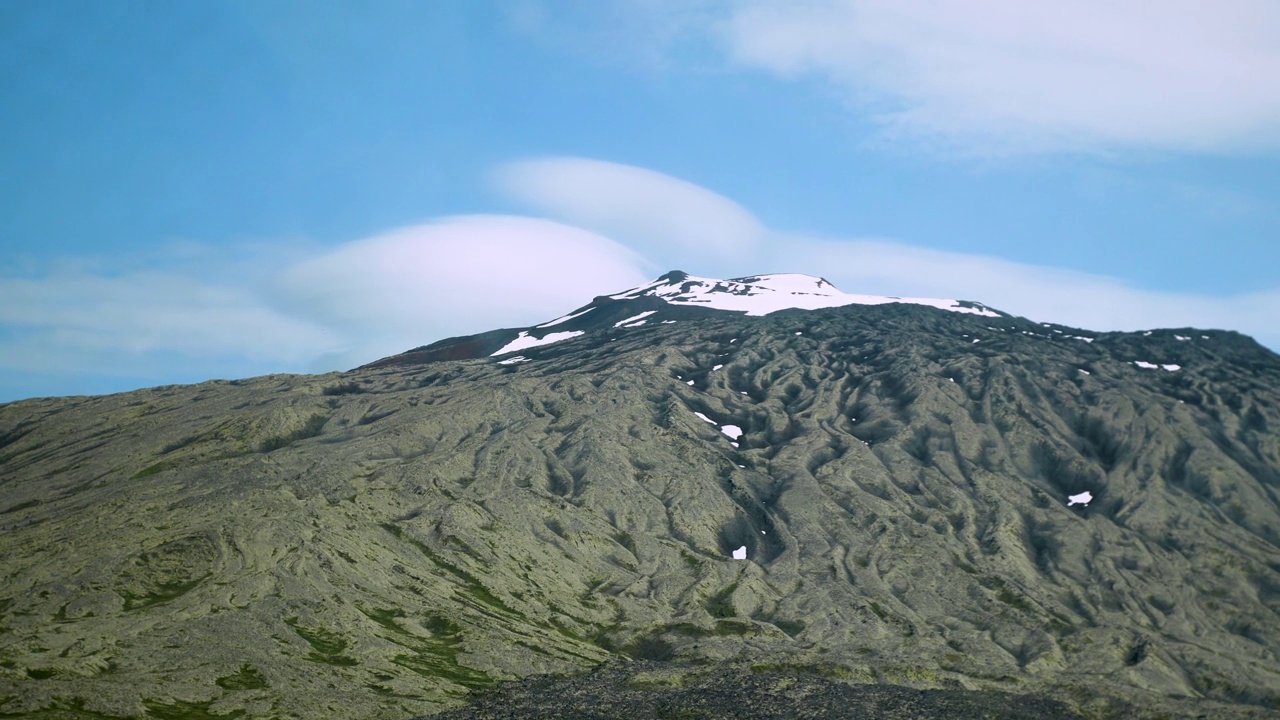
[(672, 297), (944, 510)]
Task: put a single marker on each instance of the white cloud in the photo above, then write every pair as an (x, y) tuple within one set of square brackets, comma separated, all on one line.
[(1084, 300), (668, 219), (1008, 75), (455, 276), (248, 310), (256, 309)]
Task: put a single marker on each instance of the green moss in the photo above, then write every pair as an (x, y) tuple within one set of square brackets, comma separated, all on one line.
[(437, 656), (879, 611), (692, 561), (443, 665), (326, 646), (161, 593), (1005, 595), (790, 627), (5, 458), (650, 647), (432, 657), (734, 627), (152, 469), (720, 605), (20, 506), (386, 618), (246, 678), (473, 586)]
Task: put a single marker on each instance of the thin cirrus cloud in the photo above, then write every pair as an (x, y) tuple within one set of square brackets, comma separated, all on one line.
[(1004, 75), (656, 214)]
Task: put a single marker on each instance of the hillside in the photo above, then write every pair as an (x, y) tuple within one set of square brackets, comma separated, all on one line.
[(383, 542)]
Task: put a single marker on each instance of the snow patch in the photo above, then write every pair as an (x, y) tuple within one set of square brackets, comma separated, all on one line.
[(717, 367), (740, 553), (524, 340), (1171, 367), (1145, 365), (633, 318), (564, 318), (704, 417), (1083, 498), (763, 294), (733, 431), (511, 361)]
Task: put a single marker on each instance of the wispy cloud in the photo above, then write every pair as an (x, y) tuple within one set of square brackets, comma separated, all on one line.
[(1009, 76), (659, 215), (644, 35)]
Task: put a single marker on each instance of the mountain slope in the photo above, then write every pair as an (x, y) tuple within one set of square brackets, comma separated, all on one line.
[(380, 542)]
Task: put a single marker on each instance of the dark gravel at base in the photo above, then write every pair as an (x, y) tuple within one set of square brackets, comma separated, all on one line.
[(636, 692)]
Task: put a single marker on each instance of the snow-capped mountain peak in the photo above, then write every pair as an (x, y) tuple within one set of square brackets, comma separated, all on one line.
[(674, 297), (763, 294)]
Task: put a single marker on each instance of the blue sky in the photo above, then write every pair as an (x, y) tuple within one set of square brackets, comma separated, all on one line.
[(192, 190)]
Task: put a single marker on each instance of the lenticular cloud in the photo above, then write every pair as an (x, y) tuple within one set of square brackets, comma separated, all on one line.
[(460, 274)]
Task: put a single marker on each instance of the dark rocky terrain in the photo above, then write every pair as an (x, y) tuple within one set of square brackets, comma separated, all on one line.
[(650, 691), (399, 539)]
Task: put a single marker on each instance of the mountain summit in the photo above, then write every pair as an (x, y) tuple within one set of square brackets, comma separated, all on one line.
[(672, 297), (683, 500)]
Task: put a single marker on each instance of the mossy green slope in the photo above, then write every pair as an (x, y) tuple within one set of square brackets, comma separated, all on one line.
[(379, 544)]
